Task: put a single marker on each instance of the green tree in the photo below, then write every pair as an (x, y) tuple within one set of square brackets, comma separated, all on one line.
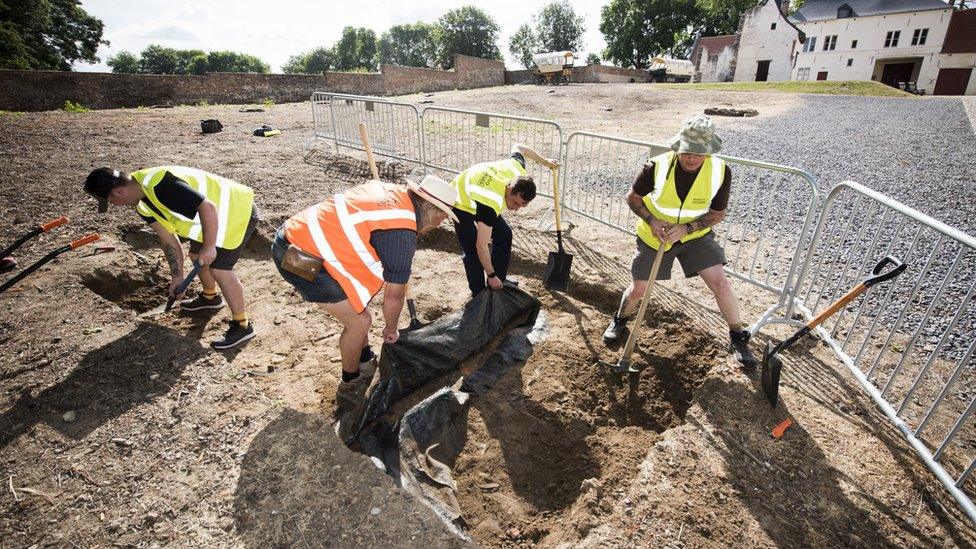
[(47, 34), (559, 28), (156, 59), (232, 61), (592, 59), (467, 31), (124, 62), (366, 49), (523, 45), (345, 50), (187, 61), (720, 16), (636, 30), (408, 46), (317, 61)]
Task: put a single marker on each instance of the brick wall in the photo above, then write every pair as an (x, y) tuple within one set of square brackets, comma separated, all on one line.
[(587, 74), (45, 90)]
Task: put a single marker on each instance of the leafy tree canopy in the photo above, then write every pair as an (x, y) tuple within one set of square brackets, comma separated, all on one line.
[(408, 46), (468, 31), (559, 28), (47, 34)]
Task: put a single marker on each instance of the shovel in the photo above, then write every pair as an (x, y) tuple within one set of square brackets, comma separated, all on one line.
[(7, 264), (414, 321), (179, 291), (556, 275), (772, 365), (624, 365), (40, 263)]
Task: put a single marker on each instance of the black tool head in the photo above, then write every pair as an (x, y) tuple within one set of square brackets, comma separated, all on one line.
[(772, 365), (556, 275)]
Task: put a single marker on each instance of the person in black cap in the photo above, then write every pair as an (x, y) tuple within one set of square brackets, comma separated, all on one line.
[(215, 214)]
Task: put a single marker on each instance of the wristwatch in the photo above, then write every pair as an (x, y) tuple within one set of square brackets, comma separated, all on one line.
[(492, 275), (689, 228)]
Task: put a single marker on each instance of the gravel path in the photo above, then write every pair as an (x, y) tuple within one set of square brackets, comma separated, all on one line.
[(920, 152)]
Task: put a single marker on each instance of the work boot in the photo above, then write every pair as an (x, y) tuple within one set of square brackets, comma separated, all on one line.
[(351, 398), (200, 303), (740, 348), (615, 329), (235, 335)]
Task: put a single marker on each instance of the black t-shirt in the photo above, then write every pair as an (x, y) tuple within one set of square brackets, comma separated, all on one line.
[(644, 184), (175, 194), (484, 213)]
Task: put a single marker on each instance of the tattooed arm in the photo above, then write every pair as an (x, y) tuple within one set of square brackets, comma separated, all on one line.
[(173, 252), (712, 218)]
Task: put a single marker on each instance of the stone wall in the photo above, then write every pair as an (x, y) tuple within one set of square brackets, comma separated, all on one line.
[(587, 74), (46, 90)]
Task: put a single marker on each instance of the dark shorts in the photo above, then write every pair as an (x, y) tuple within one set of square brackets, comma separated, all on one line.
[(324, 289), (694, 255), (226, 259)]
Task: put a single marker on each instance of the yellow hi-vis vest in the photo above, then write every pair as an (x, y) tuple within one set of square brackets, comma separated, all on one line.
[(233, 201), (663, 202), (485, 183)]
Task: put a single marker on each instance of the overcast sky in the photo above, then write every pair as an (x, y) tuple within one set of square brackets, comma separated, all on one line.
[(278, 29)]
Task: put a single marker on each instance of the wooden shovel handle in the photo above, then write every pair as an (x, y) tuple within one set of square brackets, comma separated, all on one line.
[(555, 199), (54, 223), (364, 135), (88, 239), (837, 305)]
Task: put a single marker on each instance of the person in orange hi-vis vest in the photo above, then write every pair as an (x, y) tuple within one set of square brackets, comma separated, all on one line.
[(341, 252)]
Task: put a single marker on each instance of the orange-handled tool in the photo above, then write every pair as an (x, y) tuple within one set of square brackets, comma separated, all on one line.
[(63, 220), (33, 232), (88, 239)]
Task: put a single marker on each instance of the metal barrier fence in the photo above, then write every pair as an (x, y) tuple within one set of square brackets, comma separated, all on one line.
[(455, 139), (761, 242), (909, 343), (394, 128)]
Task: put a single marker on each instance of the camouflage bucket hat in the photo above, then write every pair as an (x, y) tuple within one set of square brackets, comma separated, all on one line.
[(697, 136)]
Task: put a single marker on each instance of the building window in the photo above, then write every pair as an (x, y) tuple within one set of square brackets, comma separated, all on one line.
[(772, 27), (891, 39), (803, 74), (850, 62), (919, 37), (830, 42), (811, 44), (854, 44)]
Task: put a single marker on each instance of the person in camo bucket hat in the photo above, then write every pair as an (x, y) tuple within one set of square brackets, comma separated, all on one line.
[(679, 196), (697, 136)]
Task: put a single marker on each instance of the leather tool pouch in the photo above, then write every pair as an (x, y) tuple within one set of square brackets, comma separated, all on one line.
[(301, 264)]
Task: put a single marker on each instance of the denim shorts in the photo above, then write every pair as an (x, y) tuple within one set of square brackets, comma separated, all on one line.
[(324, 289)]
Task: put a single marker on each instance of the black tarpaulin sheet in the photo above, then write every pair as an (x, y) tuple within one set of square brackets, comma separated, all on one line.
[(434, 350)]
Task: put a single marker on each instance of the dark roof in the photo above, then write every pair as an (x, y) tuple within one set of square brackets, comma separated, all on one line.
[(713, 43), (821, 10)]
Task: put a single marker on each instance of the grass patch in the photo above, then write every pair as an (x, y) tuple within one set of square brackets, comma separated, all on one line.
[(268, 103), (74, 107), (14, 113), (844, 87)]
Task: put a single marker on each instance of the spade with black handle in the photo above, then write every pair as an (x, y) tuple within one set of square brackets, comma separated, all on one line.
[(772, 364), (44, 260)]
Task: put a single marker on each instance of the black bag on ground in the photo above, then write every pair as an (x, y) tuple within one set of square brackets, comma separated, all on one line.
[(211, 125)]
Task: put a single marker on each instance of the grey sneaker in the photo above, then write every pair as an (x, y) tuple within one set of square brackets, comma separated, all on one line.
[(234, 336), (739, 342), (351, 398), (614, 330), (200, 303)]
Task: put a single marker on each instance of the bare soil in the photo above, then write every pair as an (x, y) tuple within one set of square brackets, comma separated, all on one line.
[(172, 444)]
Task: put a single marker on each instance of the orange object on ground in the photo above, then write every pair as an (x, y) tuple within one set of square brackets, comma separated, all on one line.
[(54, 223), (781, 428)]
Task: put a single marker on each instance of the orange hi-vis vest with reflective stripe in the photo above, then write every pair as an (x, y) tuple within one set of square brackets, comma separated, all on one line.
[(338, 230)]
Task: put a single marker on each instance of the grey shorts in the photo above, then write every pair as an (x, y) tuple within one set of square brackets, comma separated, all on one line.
[(694, 255)]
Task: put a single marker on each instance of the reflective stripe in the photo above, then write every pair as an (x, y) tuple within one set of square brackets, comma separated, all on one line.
[(349, 227), (326, 253), (493, 197), (382, 215), (223, 211)]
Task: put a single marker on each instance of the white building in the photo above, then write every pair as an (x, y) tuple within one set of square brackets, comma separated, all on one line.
[(896, 42), (957, 61), (766, 44), (714, 58)]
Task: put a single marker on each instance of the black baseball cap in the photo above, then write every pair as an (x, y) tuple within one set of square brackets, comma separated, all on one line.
[(100, 183)]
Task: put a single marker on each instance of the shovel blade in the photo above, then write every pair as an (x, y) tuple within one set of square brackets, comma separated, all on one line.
[(772, 366), (556, 275)]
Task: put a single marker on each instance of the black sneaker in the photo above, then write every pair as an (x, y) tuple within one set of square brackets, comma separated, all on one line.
[(614, 330), (235, 335), (200, 303), (740, 349)]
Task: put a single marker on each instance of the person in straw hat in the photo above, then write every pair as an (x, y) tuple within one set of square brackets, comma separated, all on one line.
[(679, 196), (340, 252)]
